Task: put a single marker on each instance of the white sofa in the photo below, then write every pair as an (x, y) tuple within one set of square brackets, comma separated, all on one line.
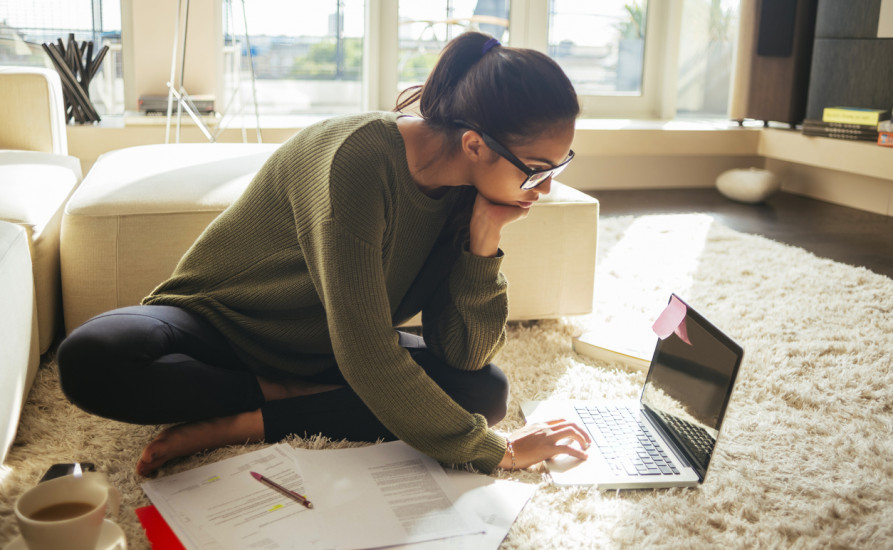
[(19, 357), (36, 177), (140, 208)]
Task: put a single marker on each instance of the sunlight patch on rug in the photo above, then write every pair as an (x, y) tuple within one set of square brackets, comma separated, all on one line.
[(665, 248), (648, 258)]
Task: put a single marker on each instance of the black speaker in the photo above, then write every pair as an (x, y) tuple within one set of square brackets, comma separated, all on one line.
[(781, 56), (775, 29)]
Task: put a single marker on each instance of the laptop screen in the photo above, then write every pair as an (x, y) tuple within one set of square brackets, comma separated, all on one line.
[(689, 385)]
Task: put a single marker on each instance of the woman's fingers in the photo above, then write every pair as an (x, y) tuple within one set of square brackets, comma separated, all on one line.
[(570, 432), (556, 430), (537, 442), (573, 451), (562, 427)]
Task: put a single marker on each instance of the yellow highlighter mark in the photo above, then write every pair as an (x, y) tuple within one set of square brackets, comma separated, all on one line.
[(212, 479), (274, 508)]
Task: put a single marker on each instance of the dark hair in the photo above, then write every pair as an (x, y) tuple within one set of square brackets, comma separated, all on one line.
[(513, 94)]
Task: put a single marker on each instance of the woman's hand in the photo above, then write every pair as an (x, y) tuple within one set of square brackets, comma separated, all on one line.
[(537, 442), (487, 221)]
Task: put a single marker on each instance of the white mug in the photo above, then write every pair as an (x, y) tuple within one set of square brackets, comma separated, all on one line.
[(44, 522)]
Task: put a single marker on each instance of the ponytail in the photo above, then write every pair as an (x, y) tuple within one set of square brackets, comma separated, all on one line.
[(454, 62)]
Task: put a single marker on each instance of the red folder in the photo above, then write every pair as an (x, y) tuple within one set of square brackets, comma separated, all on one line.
[(157, 530)]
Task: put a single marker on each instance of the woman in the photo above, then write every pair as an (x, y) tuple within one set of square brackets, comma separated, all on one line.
[(281, 317)]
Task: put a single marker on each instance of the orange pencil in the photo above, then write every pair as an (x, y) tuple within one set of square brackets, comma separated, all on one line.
[(290, 494)]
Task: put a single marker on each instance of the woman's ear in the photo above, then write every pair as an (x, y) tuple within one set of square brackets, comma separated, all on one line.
[(473, 146)]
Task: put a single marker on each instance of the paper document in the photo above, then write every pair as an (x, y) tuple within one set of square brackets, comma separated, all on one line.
[(366, 497), (497, 502), (383, 495), (220, 506)]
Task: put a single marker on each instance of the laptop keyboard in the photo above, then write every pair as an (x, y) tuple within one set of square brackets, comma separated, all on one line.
[(624, 441), (699, 441)]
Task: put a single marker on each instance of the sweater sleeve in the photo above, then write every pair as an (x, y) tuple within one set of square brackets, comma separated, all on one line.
[(464, 323), (348, 275)]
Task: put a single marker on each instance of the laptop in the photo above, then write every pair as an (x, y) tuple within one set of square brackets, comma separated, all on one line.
[(667, 437)]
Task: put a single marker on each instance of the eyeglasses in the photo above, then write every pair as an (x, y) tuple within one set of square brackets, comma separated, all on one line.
[(534, 177)]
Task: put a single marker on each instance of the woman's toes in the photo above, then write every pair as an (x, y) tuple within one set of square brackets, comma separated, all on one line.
[(194, 437), (151, 458)]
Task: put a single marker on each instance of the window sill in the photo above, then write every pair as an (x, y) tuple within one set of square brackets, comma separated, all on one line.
[(594, 138), (131, 118)]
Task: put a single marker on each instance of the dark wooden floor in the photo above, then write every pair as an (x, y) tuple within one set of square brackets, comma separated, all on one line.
[(846, 235)]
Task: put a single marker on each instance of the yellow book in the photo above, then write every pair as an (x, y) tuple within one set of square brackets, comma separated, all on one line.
[(854, 115)]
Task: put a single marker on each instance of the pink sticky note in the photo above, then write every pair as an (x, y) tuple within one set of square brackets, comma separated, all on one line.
[(671, 320)]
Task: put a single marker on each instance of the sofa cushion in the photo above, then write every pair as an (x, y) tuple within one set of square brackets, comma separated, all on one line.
[(32, 112), (34, 187), (169, 179)]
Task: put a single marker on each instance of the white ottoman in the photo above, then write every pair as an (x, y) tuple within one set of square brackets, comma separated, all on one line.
[(136, 213), (139, 209), (34, 187), (550, 256), (19, 354)]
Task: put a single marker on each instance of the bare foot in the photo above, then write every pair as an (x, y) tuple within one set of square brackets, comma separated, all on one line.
[(283, 389), (194, 437)]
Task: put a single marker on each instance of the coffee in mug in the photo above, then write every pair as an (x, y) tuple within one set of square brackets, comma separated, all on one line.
[(63, 510), (66, 512)]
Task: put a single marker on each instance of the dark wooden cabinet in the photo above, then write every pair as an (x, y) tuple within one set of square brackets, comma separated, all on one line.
[(851, 65)]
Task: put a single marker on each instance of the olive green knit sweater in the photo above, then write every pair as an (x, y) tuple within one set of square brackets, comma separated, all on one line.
[(330, 247)]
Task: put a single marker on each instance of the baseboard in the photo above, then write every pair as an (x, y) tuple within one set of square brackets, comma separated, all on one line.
[(594, 173), (834, 186)]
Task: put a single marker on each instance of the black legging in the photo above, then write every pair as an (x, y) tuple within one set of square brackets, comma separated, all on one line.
[(163, 364)]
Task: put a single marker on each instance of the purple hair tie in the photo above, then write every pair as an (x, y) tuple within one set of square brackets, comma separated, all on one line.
[(489, 45)]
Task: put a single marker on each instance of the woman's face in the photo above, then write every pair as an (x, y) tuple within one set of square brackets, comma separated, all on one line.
[(499, 181)]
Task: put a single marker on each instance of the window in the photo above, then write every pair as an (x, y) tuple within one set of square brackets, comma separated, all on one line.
[(615, 52), (627, 58), (26, 25), (307, 56), (649, 59), (600, 45), (426, 27), (706, 57)]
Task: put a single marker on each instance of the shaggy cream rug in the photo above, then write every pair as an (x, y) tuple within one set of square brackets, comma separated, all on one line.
[(806, 456)]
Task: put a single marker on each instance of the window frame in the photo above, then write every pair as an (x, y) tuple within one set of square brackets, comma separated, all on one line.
[(529, 28)]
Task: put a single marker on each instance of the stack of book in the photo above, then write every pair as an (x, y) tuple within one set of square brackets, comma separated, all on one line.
[(847, 123), (885, 133)]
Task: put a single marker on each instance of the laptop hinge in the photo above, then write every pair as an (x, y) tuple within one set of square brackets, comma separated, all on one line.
[(686, 457)]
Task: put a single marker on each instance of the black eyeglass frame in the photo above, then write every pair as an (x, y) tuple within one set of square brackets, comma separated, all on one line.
[(503, 151)]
